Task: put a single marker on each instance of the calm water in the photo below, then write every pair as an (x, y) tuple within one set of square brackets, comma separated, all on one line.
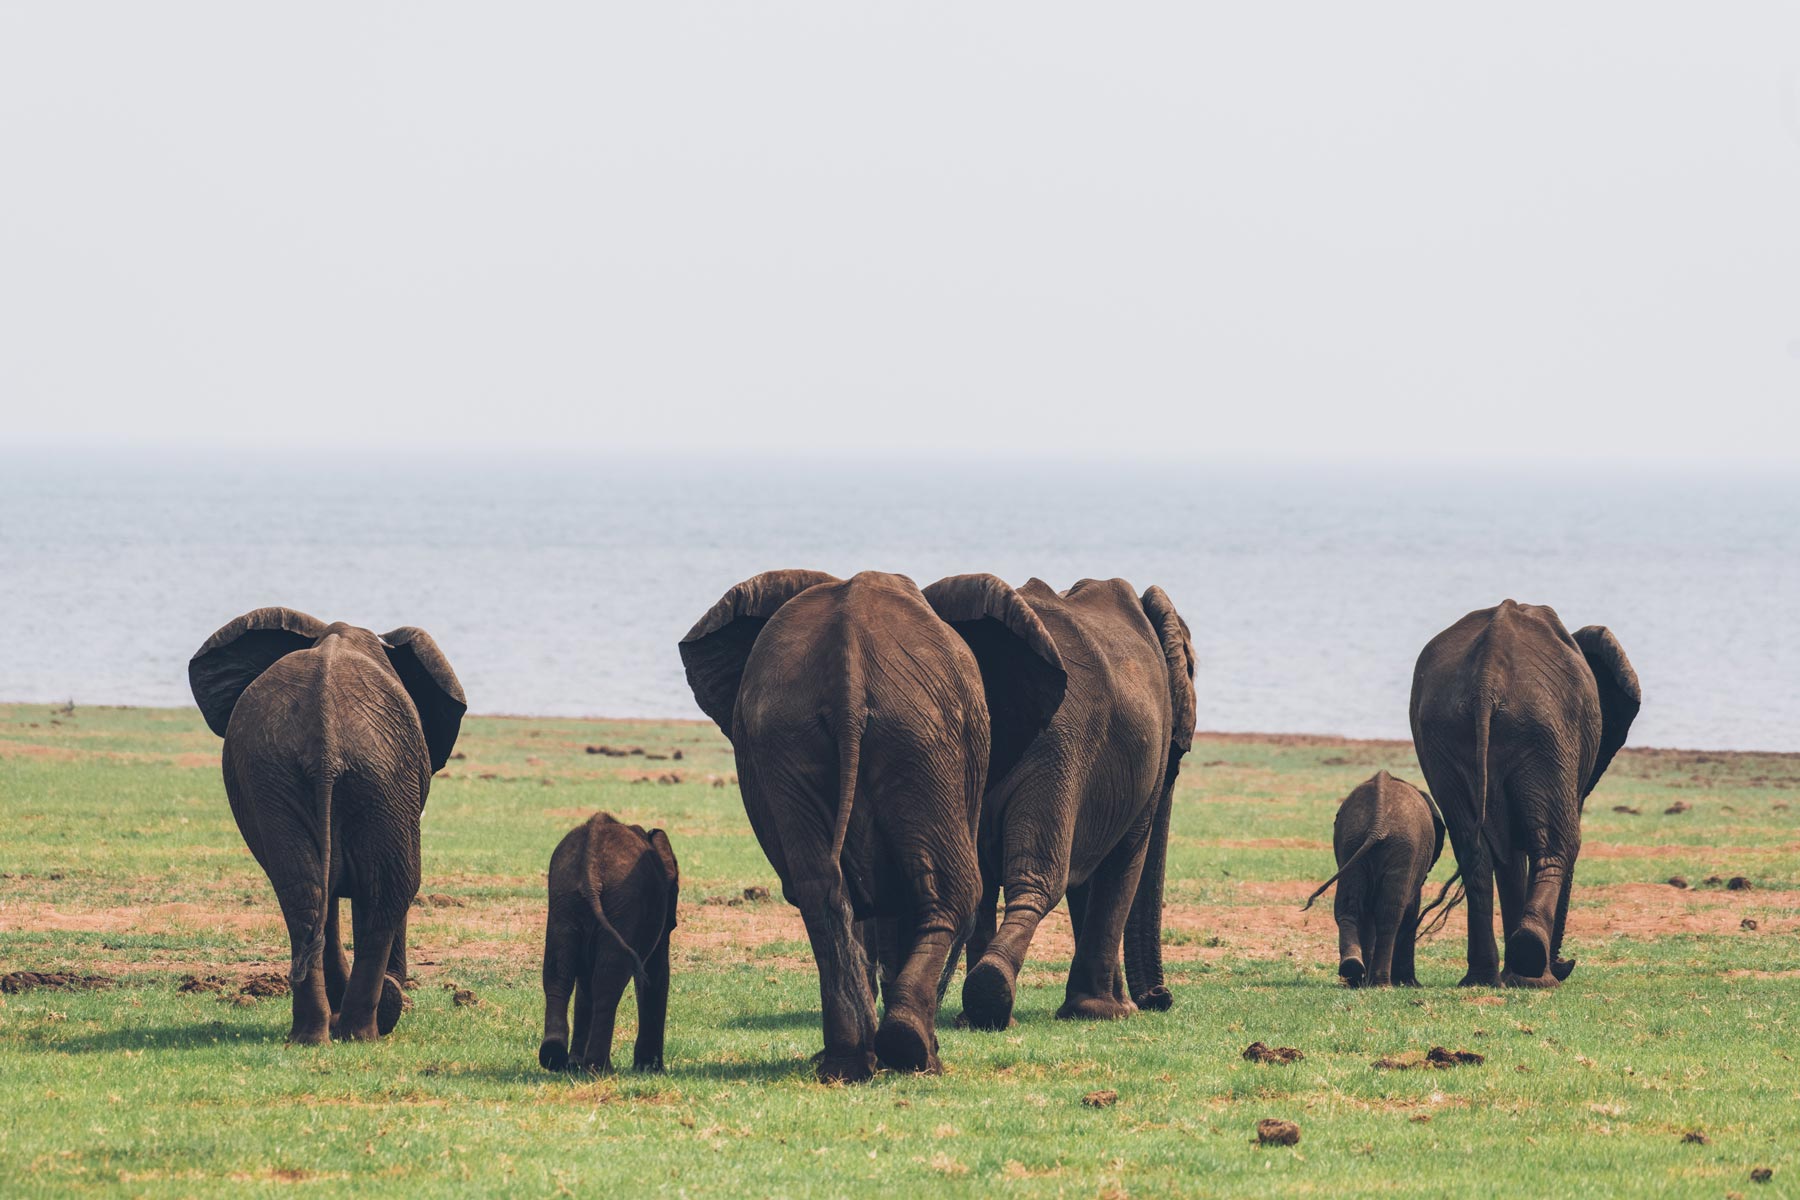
[(561, 586)]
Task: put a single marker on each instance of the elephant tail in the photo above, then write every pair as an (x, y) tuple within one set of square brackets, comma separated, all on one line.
[(592, 888), (1443, 912), (1368, 844), (314, 947)]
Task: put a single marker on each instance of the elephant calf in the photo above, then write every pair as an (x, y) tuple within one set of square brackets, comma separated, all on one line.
[(1387, 837), (613, 892)]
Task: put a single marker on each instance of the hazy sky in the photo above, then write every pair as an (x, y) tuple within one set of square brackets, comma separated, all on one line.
[(1021, 228)]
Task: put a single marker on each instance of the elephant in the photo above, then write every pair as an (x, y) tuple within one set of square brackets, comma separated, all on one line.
[(1083, 809), (332, 735), (1515, 721), (613, 893), (1387, 837), (860, 724)]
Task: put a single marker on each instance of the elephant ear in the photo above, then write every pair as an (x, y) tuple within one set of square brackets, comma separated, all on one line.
[(426, 675), (1620, 696), (1022, 673), (671, 870), (1178, 652), (234, 656), (717, 647)]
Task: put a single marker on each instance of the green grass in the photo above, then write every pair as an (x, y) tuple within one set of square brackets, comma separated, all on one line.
[(120, 857)]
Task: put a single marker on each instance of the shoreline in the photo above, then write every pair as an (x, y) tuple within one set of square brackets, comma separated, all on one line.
[(1219, 737)]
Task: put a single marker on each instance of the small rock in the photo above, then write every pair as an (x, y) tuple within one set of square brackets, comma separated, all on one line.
[(463, 998), (459, 756), (1737, 883), (756, 892), (1257, 1052), (1762, 1174), (1272, 1132), (1695, 1137), (1420, 1118), (1104, 1099), (1680, 806), (1748, 923), (676, 756), (438, 900), (1627, 809), (1678, 881)]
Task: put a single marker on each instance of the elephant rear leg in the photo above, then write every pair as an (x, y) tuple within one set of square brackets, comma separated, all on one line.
[(1096, 986), (848, 1009), (1351, 937), (1388, 917), (336, 966), (358, 1019), (605, 986), (1405, 944), (944, 892), (303, 908)]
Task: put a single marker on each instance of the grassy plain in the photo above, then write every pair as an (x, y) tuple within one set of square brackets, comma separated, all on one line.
[(120, 858)]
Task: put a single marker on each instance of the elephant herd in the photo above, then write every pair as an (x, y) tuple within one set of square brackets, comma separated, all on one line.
[(929, 772)]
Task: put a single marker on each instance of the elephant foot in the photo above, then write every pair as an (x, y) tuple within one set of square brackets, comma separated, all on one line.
[(393, 1002), (988, 997), (1350, 970), (309, 1036), (1527, 952), (552, 1055), (648, 1066), (854, 1067), (362, 1031), (1541, 982), (1157, 999), (1562, 968), (595, 1066), (1489, 977), (1095, 1008), (902, 1045)]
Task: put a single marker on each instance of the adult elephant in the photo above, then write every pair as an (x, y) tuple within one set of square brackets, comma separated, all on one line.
[(861, 730), (331, 736), (1515, 721), (1084, 808)]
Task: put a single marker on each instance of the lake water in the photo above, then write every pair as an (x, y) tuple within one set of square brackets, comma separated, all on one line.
[(560, 585)]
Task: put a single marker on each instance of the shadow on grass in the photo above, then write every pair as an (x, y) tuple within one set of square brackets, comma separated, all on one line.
[(776, 1020), (198, 1036)]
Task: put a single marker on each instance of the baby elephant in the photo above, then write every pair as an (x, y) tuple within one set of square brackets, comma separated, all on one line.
[(613, 890), (1388, 836)]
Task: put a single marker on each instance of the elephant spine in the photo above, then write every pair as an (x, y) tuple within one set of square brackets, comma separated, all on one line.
[(591, 893)]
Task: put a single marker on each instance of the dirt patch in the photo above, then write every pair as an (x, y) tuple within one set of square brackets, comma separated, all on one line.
[(438, 900), (1257, 1052), (1104, 1099), (57, 981), (202, 984), (265, 986), (1437, 1059), (1271, 1132)]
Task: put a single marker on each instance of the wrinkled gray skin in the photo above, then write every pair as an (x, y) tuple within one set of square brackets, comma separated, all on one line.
[(861, 730), (1085, 812), (1387, 837), (1515, 721), (331, 736), (613, 893)]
